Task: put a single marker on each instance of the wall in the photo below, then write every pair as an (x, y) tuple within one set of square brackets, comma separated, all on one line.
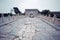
[(31, 12)]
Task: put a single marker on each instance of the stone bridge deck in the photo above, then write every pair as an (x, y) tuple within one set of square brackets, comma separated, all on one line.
[(29, 29)]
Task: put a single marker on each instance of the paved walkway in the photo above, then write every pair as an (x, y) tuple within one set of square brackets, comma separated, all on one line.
[(27, 32), (36, 29), (33, 29)]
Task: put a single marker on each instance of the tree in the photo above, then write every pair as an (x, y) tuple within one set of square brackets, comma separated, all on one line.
[(0, 15), (16, 10), (5, 14), (45, 12), (51, 14)]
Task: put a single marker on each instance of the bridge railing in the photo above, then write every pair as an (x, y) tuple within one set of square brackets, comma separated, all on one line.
[(4, 20), (57, 21), (53, 20)]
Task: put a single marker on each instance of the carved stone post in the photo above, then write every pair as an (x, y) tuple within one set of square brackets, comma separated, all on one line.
[(54, 18)]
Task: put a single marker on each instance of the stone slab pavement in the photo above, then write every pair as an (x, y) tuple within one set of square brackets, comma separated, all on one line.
[(30, 29)]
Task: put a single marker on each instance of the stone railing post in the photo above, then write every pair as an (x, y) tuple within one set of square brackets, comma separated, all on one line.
[(2, 18), (54, 18), (9, 17)]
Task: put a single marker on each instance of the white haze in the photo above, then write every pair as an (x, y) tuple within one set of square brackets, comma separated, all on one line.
[(7, 5)]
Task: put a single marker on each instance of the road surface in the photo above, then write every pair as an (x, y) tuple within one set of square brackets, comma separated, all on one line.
[(29, 29)]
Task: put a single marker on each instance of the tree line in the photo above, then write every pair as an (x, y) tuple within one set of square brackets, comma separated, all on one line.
[(51, 14)]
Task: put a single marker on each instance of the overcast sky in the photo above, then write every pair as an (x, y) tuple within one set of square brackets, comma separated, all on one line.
[(7, 5)]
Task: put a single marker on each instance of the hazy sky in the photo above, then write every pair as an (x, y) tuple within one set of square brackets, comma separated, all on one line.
[(7, 5)]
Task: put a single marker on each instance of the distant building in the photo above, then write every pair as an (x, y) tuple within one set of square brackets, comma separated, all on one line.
[(31, 11)]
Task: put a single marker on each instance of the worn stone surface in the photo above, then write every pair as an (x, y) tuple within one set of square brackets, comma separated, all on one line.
[(29, 29)]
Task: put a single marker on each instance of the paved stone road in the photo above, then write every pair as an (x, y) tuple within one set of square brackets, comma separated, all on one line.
[(33, 29), (28, 31)]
